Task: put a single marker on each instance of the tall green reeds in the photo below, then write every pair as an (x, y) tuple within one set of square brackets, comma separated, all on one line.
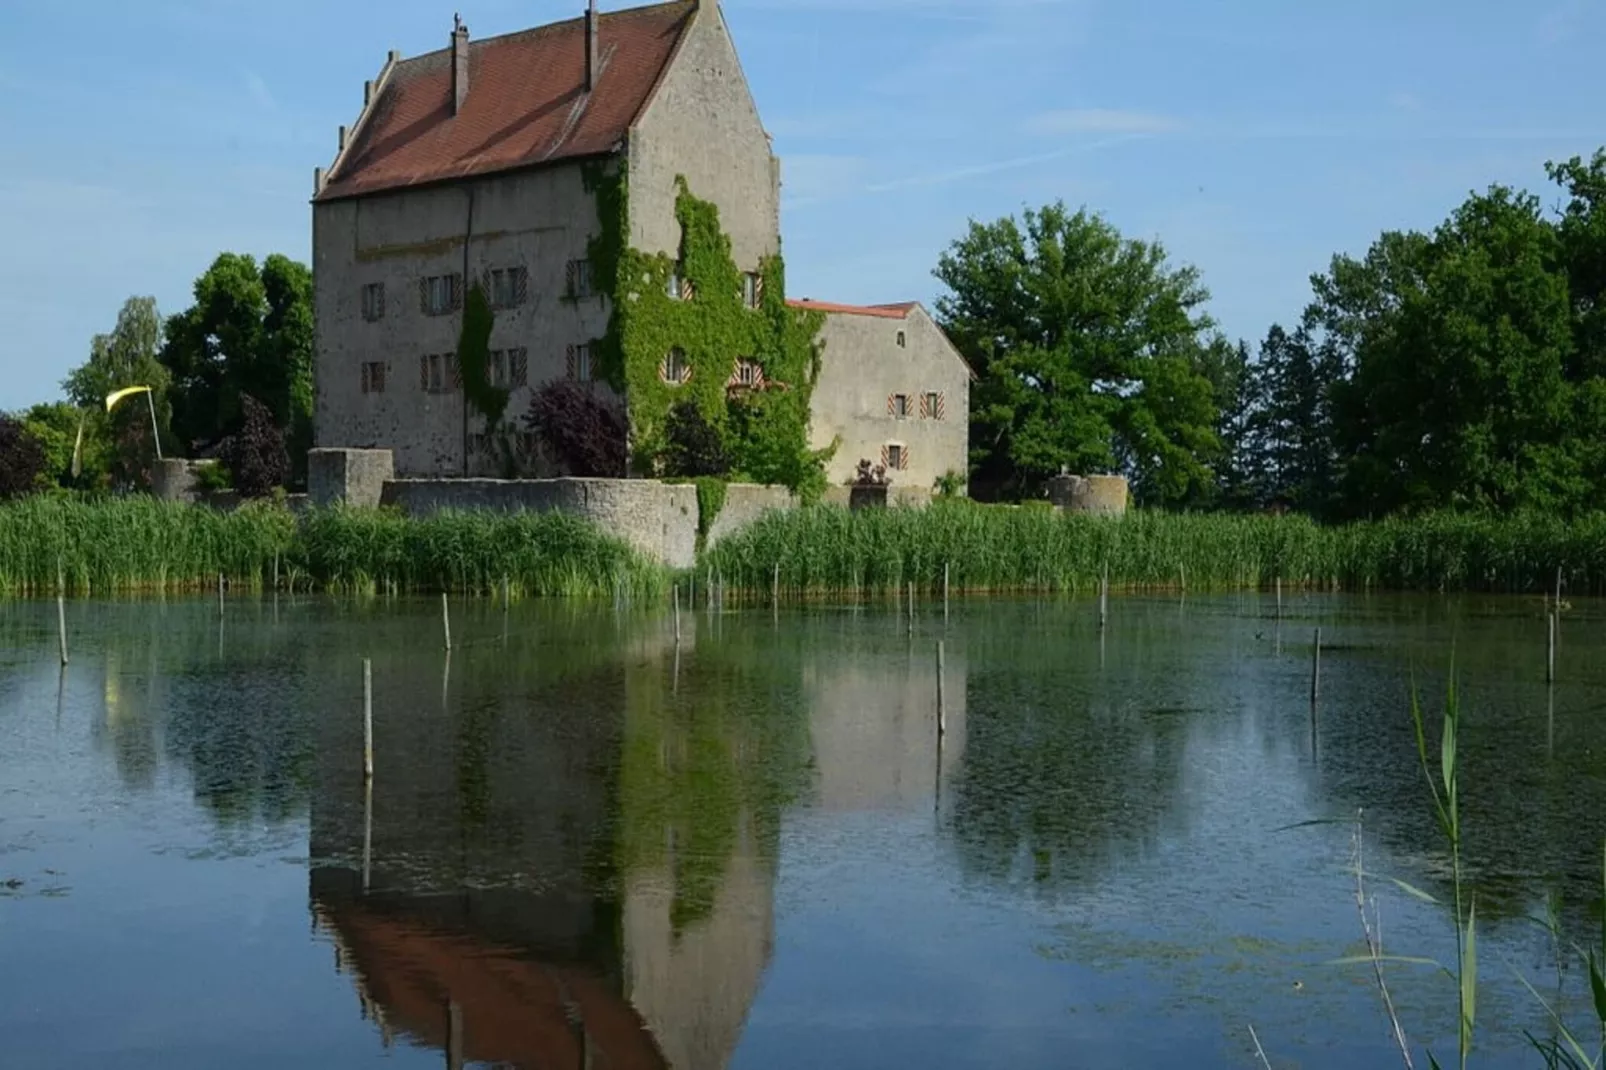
[(139, 544), (828, 550)]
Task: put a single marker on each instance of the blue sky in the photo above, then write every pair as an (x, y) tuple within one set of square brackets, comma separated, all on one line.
[(1254, 138)]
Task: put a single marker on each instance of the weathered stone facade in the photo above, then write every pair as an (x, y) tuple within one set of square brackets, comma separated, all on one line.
[(479, 163), (892, 390)]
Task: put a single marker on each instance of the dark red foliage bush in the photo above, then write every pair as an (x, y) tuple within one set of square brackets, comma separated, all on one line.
[(21, 459), (580, 430), (256, 455), (694, 446)]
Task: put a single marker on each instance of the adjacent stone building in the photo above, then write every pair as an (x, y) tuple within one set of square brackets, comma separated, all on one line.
[(892, 390), (540, 164)]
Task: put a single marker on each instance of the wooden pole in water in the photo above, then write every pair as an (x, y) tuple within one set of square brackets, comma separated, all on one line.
[(942, 700), (1182, 570), (275, 570), (61, 624), (446, 621), (677, 614), (911, 607), (454, 1036), (507, 593), (1104, 601), (220, 594), (1550, 659), (1316, 670), (945, 590), (775, 586), (367, 719), (1279, 598)]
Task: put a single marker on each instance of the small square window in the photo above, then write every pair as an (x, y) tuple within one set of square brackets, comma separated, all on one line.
[(518, 367), (580, 279), (373, 301), (441, 294), (506, 287), (748, 373), (903, 340), (752, 289), (582, 369), (931, 405), (498, 368), (676, 286), (436, 361), (895, 456), (373, 377), (674, 368), (900, 406)]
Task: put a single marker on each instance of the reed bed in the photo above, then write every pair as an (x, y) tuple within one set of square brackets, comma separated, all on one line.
[(136, 544), (826, 550)]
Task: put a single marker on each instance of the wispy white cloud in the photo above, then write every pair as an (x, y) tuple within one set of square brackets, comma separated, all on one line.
[(1407, 102), (993, 167), (1562, 21), (810, 177), (1100, 121), (259, 91)]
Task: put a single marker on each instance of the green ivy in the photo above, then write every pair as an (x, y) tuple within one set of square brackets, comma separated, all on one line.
[(474, 355), (768, 431)]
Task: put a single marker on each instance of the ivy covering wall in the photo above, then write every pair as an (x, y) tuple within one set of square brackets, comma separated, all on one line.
[(766, 429)]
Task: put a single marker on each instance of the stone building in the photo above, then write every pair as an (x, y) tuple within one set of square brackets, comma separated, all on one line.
[(527, 163), (892, 390)]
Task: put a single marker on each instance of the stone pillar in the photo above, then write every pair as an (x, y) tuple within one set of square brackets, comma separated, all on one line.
[(348, 477)]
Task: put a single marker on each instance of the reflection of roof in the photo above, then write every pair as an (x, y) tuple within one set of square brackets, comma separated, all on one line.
[(526, 102), (514, 1011), (897, 311)]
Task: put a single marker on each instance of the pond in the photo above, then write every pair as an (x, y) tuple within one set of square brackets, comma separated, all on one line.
[(585, 846)]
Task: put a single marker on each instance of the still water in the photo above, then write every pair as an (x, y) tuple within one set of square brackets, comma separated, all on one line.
[(582, 848)]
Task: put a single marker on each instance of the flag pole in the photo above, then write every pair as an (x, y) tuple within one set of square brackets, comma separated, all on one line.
[(156, 434)]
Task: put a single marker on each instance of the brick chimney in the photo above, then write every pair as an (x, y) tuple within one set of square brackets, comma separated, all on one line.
[(591, 46), (459, 63)]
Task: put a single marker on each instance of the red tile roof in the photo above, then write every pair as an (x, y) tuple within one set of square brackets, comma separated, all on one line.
[(526, 102), (897, 311)]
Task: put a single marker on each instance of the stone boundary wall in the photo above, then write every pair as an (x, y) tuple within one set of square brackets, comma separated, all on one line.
[(659, 519), (745, 503), (1100, 495), (352, 477)]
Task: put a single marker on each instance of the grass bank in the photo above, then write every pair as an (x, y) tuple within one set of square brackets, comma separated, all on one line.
[(138, 544), (1029, 549)]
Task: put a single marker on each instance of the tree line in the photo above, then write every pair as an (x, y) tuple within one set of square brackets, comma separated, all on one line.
[(231, 377), (1459, 368)]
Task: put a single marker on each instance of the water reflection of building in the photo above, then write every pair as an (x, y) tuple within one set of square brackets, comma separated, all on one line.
[(558, 873), (873, 725)]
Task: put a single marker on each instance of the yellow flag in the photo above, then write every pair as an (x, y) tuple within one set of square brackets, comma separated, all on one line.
[(118, 395)]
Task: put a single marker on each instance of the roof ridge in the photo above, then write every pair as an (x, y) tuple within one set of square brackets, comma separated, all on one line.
[(530, 31)]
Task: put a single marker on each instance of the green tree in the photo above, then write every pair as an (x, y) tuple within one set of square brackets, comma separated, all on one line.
[(249, 332), (55, 427), (128, 356), (1091, 353), (1459, 345)]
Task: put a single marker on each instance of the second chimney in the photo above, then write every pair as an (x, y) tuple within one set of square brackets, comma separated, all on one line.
[(459, 63), (591, 46)]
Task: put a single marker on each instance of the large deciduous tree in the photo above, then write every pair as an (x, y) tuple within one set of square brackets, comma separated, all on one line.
[(249, 333), (1092, 352)]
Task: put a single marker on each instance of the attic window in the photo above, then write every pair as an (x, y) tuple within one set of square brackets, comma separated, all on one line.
[(903, 340), (674, 369), (752, 289), (677, 287), (748, 373)]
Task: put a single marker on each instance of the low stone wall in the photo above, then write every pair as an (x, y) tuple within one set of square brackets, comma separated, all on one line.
[(745, 503), (178, 480), (659, 519), (354, 477)]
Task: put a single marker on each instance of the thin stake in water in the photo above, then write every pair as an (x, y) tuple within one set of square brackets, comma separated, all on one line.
[(942, 702), (775, 586), (220, 594), (1550, 656), (61, 624), (945, 590), (367, 719), (911, 607), (446, 621), (1316, 670), (677, 615)]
